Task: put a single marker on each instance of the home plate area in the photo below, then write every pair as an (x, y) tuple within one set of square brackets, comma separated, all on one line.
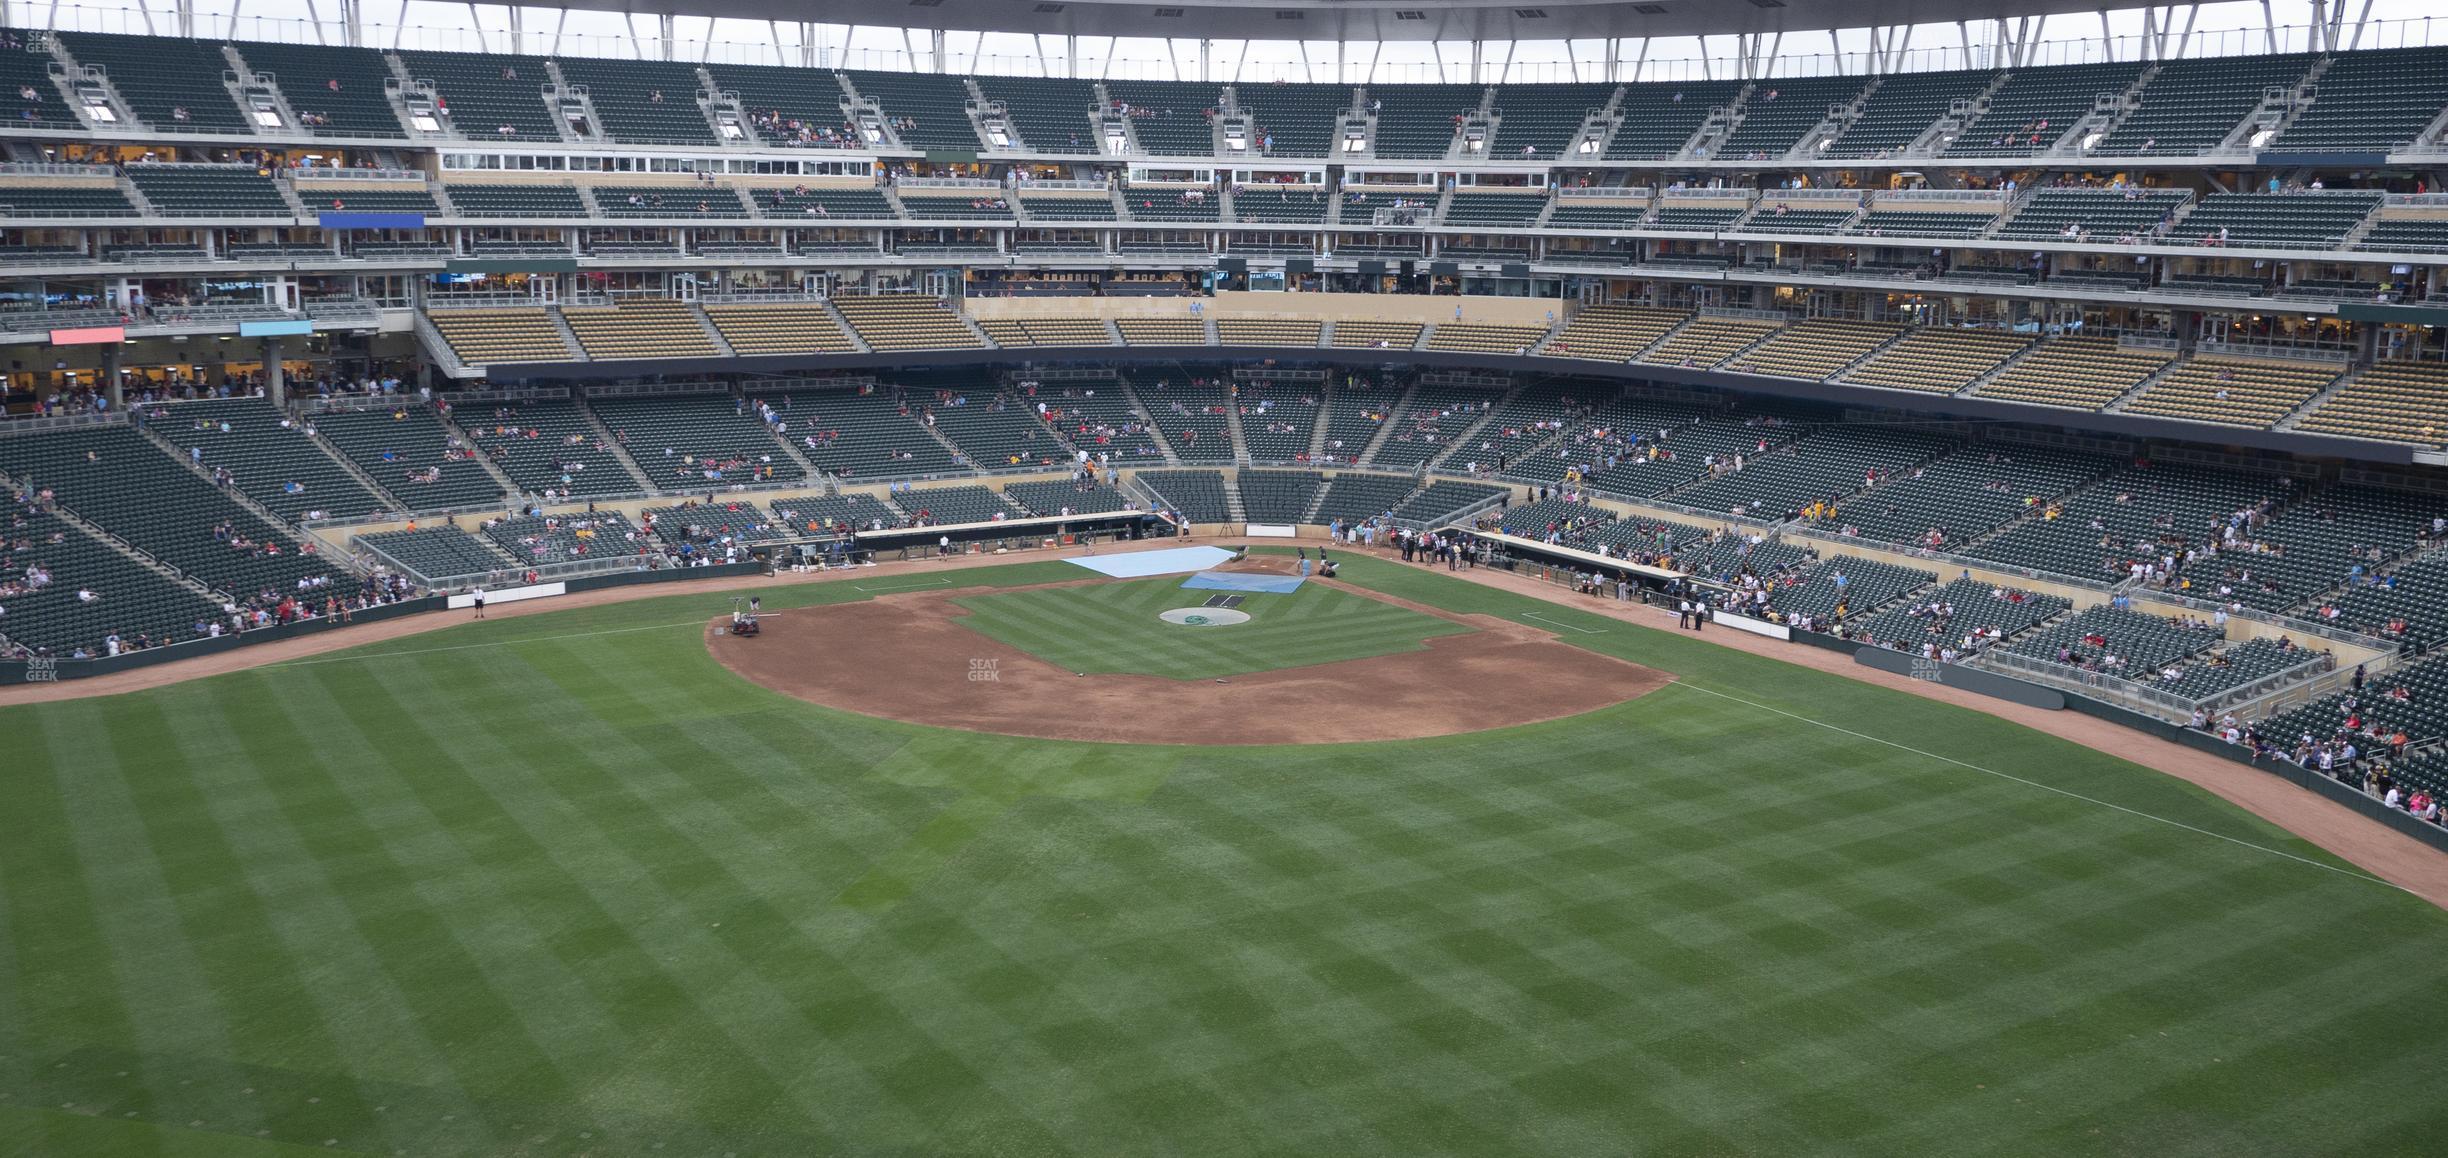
[(1110, 660)]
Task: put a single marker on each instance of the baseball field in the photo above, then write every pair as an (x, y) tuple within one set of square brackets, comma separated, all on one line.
[(603, 882)]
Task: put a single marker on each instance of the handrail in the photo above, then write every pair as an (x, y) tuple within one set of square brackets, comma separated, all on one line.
[(337, 173)]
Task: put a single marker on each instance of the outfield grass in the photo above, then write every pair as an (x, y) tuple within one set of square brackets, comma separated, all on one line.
[(562, 885), (1113, 627)]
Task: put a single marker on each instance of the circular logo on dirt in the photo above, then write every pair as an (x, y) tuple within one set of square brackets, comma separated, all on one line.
[(1203, 616)]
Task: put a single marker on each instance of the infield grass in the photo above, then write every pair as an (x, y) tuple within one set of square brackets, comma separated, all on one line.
[(1113, 628), (562, 885)]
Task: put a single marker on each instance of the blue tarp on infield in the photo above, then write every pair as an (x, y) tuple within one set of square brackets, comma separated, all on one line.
[(1243, 581), (1141, 564)]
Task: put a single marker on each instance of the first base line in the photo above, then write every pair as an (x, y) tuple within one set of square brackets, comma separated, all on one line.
[(1565, 626)]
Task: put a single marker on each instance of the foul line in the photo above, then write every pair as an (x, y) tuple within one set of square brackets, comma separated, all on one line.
[(1565, 626), (903, 586), (2346, 872), (487, 643)]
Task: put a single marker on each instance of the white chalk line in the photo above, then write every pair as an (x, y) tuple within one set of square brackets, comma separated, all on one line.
[(1565, 626), (2345, 872), (902, 586)]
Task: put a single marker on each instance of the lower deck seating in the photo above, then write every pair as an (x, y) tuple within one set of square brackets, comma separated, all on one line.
[(545, 540), (1612, 333), (2234, 391), (1965, 615), (1278, 496), (2395, 401), (49, 562), (1200, 495), (1085, 497), (408, 451), (269, 456), (940, 506), (1355, 498), (901, 322), (647, 328), (2117, 641), (547, 445), (693, 441), (433, 554), (2077, 373), (823, 514), (1939, 361), (780, 328), (488, 337)]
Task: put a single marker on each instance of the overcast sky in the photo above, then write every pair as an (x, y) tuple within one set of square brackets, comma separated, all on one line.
[(2221, 29)]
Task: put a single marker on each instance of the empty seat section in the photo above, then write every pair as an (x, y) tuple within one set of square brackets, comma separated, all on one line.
[(533, 201), (1901, 108), (1964, 495), (1049, 207), (1428, 424), (486, 93), (438, 553), (1799, 217), (486, 336), (1596, 213), (549, 540), (929, 112), (647, 328), (1771, 127), (46, 199), (955, 205), (904, 322), (1921, 223), (995, 430), (1361, 334), (819, 514), (2278, 220), (2078, 373), (1267, 332), (1162, 331), (1504, 210), (2234, 391), (780, 328), (2395, 401), (642, 102), (1085, 497), (1356, 498), (1262, 205), (1539, 121), (1612, 333), (1199, 495), (1278, 496), (2191, 105), (1417, 121), (1656, 120), (336, 90), (1939, 361), (943, 506), (209, 191), (1485, 338), (861, 204), (1825, 466), (1707, 341), (853, 435), (1051, 114), (2372, 102), (171, 83), (1194, 418), (1815, 348), (1185, 205)]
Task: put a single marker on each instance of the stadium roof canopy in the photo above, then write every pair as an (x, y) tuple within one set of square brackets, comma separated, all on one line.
[(1372, 20)]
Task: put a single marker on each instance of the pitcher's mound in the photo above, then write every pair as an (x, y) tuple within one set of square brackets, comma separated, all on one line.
[(904, 657)]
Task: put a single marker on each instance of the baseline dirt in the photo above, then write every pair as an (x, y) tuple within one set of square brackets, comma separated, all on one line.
[(941, 674)]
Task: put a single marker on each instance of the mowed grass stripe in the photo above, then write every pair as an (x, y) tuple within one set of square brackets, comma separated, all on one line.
[(1114, 627)]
